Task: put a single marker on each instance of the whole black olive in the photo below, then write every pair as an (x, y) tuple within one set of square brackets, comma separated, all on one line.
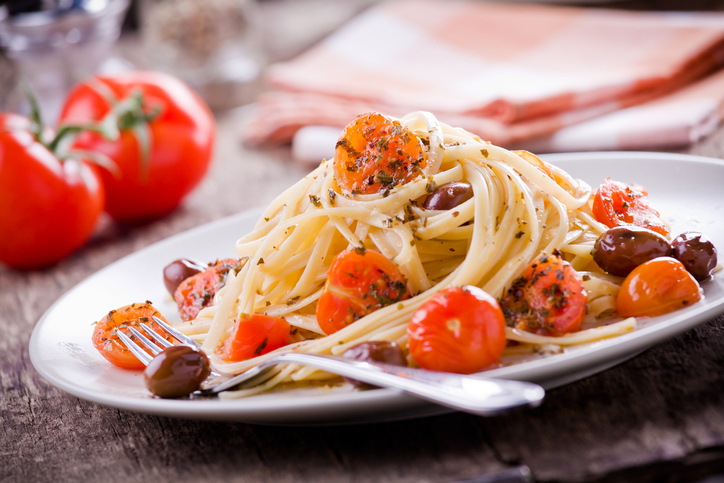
[(696, 252), (177, 371), (623, 248), (179, 270), (375, 351), (448, 196)]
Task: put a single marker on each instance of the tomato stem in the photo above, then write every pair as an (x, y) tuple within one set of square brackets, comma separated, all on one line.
[(125, 115), (35, 117)]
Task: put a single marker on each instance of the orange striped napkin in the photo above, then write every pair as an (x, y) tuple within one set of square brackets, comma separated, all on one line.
[(509, 73)]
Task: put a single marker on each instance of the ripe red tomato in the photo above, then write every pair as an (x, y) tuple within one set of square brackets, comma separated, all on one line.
[(616, 203), (181, 141), (198, 291), (358, 283), (376, 154), (460, 329), (547, 299), (657, 287), (110, 346), (48, 207), (254, 336)]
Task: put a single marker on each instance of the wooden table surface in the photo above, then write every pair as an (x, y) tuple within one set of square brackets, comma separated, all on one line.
[(657, 417)]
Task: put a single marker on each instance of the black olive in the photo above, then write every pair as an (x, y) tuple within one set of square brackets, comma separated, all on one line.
[(696, 252), (448, 196), (623, 248), (375, 351), (179, 270), (177, 371)]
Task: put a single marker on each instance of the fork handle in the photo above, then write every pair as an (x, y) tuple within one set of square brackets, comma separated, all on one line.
[(469, 393)]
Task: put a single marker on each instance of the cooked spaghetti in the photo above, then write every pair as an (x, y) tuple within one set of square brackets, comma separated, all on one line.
[(521, 208)]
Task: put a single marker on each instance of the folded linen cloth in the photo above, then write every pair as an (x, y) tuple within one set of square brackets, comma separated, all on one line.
[(508, 73)]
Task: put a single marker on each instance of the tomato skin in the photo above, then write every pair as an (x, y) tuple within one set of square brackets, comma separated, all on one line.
[(254, 336), (110, 346), (198, 291), (182, 139), (616, 204), (547, 299), (460, 329), (375, 154), (48, 208), (657, 287), (358, 283)]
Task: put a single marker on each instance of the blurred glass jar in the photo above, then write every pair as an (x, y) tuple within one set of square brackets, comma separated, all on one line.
[(213, 45), (62, 42)]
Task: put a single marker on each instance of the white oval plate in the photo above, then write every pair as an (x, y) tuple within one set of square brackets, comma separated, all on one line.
[(687, 190)]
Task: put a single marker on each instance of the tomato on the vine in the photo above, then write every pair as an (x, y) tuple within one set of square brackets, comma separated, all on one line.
[(165, 143), (616, 204), (107, 342), (48, 206), (547, 299), (253, 336), (460, 329), (657, 287), (358, 283), (375, 154)]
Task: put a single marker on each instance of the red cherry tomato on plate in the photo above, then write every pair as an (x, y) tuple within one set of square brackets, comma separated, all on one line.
[(616, 203), (547, 299), (181, 140), (657, 287), (48, 207), (376, 154), (110, 346), (460, 329), (198, 291), (358, 283), (254, 336)]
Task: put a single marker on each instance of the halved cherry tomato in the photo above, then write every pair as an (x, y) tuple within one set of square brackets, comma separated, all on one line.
[(547, 299), (198, 291), (657, 287), (253, 336), (359, 282), (110, 346), (616, 204), (375, 154), (460, 329)]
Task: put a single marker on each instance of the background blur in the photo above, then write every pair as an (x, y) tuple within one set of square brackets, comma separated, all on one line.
[(219, 47)]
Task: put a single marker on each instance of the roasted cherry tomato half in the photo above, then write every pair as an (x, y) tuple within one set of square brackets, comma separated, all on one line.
[(254, 336), (110, 346), (547, 299), (460, 329), (657, 287), (616, 203), (375, 154), (358, 283), (198, 291)]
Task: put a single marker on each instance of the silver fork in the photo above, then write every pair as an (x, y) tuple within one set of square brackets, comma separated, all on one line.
[(472, 394)]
